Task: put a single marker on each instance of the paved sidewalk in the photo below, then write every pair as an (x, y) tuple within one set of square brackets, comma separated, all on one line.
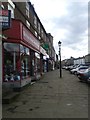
[(51, 97)]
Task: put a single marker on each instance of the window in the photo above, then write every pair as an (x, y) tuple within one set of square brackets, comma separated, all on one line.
[(27, 24), (45, 37), (35, 22), (11, 7), (27, 9), (11, 47), (37, 62), (25, 61), (39, 27), (16, 62), (41, 33), (11, 62), (35, 33), (39, 38), (1, 6)]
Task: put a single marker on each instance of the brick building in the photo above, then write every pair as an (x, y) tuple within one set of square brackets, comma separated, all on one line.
[(28, 50)]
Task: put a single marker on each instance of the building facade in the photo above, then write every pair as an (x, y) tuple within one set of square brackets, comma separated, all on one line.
[(80, 60), (87, 59), (28, 51)]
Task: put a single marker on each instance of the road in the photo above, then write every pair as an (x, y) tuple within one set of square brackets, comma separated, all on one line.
[(51, 97)]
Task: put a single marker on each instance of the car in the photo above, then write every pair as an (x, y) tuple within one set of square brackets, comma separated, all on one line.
[(84, 75), (77, 69), (82, 69), (88, 80), (66, 67), (71, 67)]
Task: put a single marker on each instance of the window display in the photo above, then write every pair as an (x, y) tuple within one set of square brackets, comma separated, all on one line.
[(25, 61), (19, 62), (11, 57), (32, 62), (37, 62)]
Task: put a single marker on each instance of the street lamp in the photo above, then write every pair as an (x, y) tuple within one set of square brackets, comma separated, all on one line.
[(59, 44)]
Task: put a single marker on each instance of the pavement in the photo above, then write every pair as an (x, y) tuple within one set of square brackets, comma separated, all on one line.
[(51, 97)]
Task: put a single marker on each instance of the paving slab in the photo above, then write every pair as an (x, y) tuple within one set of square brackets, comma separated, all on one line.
[(51, 97)]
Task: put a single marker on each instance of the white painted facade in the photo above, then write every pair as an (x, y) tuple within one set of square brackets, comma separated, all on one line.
[(79, 61)]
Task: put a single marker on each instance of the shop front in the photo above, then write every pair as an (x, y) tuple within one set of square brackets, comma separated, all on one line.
[(0, 75), (21, 56), (43, 62)]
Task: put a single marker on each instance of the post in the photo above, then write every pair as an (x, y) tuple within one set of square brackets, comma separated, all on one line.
[(60, 66), (59, 43)]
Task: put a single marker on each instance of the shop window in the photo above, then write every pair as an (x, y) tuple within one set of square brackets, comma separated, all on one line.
[(32, 63), (25, 62), (37, 62), (11, 62)]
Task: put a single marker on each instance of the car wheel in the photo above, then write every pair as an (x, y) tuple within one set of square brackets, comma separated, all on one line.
[(88, 80), (75, 73)]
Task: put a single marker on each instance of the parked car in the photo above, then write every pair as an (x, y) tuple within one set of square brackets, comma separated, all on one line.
[(88, 80), (65, 67), (71, 67), (84, 75), (82, 69), (77, 69)]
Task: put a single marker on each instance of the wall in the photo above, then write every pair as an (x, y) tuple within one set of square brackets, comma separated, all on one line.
[(0, 78), (79, 61), (87, 58)]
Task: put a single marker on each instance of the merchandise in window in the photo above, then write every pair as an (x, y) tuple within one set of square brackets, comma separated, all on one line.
[(11, 62), (37, 62), (25, 62)]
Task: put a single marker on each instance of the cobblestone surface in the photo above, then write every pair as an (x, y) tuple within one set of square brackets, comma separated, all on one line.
[(51, 97)]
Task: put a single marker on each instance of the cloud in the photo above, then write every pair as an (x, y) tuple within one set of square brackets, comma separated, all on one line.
[(76, 25), (67, 22)]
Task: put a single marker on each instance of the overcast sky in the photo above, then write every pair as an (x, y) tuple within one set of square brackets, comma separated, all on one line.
[(67, 21)]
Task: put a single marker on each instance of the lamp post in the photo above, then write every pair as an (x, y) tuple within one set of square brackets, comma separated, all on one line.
[(59, 44)]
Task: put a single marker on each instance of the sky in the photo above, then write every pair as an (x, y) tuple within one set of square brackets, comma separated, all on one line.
[(67, 21)]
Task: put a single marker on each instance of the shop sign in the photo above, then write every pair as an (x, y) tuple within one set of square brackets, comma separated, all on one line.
[(27, 36), (45, 46), (43, 51), (5, 19)]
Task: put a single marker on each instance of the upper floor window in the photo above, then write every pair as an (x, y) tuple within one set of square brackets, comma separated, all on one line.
[(35, 22), (39, 38), (41, 33), (27, 24), (1, 6), (11, 7), (38, 27), (27, 9), (45, 38), (35, 33)]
